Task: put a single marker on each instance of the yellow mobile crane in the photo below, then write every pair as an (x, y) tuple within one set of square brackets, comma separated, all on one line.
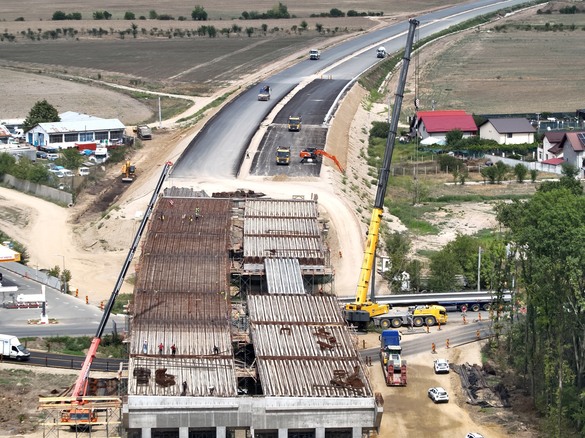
[(363, 309)]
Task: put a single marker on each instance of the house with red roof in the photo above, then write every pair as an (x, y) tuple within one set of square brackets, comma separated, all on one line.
[(437, 124), (551, 147), (513, 130)]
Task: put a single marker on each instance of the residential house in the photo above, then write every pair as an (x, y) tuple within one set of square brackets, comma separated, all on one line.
[(437, 124), (76, 128), (507, 130), (551, 147), (574, 151)]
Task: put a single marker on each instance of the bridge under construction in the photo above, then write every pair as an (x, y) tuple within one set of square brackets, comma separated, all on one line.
[(234, 330)]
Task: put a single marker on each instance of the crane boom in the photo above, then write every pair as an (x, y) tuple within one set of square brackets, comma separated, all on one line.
[(79, 390), (363, 309)]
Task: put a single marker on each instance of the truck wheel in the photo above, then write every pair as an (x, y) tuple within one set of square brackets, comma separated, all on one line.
[(385, 323), (475, 307), (487, 307), (430, 321), (396, 322), (418, 321)]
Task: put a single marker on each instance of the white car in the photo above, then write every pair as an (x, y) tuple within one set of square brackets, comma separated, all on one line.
[(438, 395), (441, 366), (474, 435)]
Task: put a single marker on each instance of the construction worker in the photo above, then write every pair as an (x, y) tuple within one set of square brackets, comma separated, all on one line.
[(161, 347), (173, 349), (145, 347), (197, 211)]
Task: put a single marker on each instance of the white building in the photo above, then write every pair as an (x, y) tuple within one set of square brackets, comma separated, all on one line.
[(507, 130), (76, 128)]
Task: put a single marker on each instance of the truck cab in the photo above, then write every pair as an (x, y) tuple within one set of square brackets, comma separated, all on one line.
[(283, 155), (314, 54), (294, 123)]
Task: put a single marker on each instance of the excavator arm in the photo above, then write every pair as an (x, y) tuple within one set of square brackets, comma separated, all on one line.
[(332, 157), (362, 309)]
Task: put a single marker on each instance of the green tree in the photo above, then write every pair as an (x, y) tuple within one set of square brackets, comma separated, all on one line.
[(98, 15), (569, 180), (533, 175), (71, 159), (249, 31), (7, 162), (319, 27), (152, 14), (59, 15), (453, 137), (397, 247), (41, 112), (336, 13), (129, 15), (304, 25), (443, 268), (520, 170), (199, 14)]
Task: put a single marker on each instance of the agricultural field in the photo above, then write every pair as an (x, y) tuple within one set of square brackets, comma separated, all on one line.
[(518, 64)]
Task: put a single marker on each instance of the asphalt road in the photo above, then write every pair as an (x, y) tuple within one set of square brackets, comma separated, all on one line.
[(220, 147), (74, 317)]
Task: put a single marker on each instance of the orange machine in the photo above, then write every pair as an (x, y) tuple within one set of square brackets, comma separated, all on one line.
[(313, 154)]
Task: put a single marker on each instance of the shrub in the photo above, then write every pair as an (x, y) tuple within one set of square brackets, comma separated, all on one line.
[(129, 16)]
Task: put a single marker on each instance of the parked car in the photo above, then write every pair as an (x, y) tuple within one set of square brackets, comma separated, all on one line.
[(441, 366), (52, 157), (83, 171), (41, 154), (474, 435), (438, 395), (67, 173)]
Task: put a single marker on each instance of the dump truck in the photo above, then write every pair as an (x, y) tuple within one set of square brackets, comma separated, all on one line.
[(283, 155), (314, 54), (143, 132), (294, 123), (393, 366), (264, 93), (128, 172), (11, 348)]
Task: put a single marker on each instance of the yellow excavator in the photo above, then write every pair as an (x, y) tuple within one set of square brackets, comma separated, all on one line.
[(361, 311), (128, 172)]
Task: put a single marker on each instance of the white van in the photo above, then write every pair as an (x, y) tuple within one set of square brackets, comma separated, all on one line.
[(67, 173), (52, 157), (11, 348), (83, 171)]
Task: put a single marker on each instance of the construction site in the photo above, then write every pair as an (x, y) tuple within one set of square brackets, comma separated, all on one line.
[(235, 331)]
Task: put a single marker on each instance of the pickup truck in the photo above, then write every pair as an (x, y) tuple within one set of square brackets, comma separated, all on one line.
[(264, 93), (314, 54)]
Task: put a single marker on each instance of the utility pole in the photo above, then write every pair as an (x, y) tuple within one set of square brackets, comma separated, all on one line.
[(479, 270)]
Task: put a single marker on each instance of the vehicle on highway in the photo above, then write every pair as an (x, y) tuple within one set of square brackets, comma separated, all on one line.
[(381, 52), (294, 123), (441, 366), (283, 155), (264, 93), (474, 435), (314, 54), (438, 395)]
